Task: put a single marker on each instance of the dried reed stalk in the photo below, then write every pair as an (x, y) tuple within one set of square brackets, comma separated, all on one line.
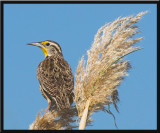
[(82, 123), (105, 68)]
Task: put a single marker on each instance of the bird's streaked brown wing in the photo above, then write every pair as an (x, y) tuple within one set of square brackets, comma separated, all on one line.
[(55, 77)]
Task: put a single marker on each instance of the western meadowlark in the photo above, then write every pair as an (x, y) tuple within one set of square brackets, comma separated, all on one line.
[(55, 76)]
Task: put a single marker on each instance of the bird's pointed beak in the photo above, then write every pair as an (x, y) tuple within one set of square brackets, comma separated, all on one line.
[(38, 44), (35, 44)]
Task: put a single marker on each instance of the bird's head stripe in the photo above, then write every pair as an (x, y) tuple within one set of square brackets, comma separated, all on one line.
[(55, 44), (57, 49), (44, 42)]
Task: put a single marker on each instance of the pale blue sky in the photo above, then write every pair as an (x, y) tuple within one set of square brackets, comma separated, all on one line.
[(73, 26)]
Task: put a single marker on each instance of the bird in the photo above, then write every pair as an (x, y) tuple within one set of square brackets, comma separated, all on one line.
[(55, 76)]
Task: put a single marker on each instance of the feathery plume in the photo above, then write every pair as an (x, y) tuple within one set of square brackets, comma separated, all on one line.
[(98, 79), (55, 120)]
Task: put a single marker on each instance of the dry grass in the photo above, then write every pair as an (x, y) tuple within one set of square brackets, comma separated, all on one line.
[(97, 79), (55, 120)]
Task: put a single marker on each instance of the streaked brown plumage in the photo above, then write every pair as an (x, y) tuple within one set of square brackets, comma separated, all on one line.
[(55, 76)]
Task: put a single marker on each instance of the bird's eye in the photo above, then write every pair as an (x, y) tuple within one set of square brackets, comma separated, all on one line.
[(47, 44)]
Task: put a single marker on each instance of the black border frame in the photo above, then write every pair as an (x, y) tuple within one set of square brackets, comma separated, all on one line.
[(73, 2)]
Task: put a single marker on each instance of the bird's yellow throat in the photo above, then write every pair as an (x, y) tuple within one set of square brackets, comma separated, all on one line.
[(44, 51)]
